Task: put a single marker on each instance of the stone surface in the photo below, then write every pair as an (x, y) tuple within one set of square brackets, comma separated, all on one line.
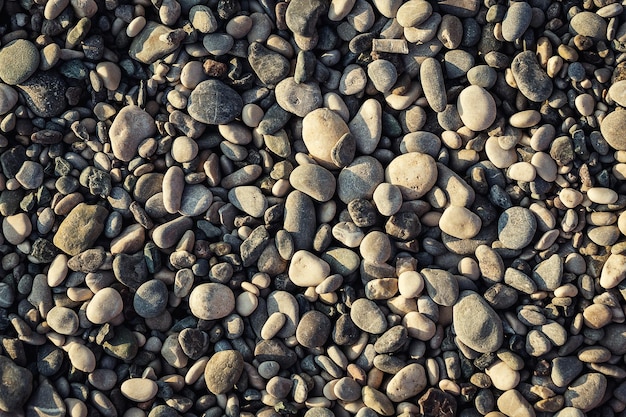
[(16, 386), (214, 103), (131, 126), (223, 370), (80, 229), (211, 301)]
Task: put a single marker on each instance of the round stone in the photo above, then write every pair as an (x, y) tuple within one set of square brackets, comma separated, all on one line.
[(214, 103), (612, 128), (105, 305), (299, 99), (516, 227), (63, 320), (16, 228), (368, 317), (20, 59), (476, 107), (223, 371), (139, 389), (359, 179), (314, 180), (413, 173), (211, 301), (151, 299), (307, 270), (476, 324), (313, 329), (459, 222), (131, 126), (322, 130)]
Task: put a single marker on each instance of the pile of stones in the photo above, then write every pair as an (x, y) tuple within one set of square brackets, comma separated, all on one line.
[(312, 208)]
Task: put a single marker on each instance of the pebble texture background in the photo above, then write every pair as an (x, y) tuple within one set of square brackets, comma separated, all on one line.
[(312, 208)]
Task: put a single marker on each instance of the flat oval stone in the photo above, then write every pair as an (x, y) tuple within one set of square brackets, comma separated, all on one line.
[(359, 179), (151, 298), (586, 392), (532, 81), (45, 93), (20, 59), (407, 383), (307, 270), (248, 199), (476, 324), (214, 103), (299, 99), (441, 286), (516, 21), (612, 128), (366, 126), (516, 227), (368, 317), (314, 180), (131, 126), (105, 305), (211, 301), (321, 131), (476, 108), (63, 320), (459, 222), (414, 173), (433, 84), (588, 24), (139, 389), (617, 92), (313, 329), (223, 371)]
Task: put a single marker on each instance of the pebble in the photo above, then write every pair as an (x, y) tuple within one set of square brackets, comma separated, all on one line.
[(476, 108), (16, 228), (368, 317), (223, 370), (611, 127), (307, 270), (23, 57), (586, 391), (214, 103), (477, 325), (150, 299), (516, 227), (210, 301), (130, 127), (45, 93), (359, 179), (62, 320), (366, 126), (516, 20), (459, 222), (532, 81), (139, 389), (413, 12), (313, 329), (80, 228), (413, 173), (323, 131), (588, 24), (299, 99), (408, 382), (313, 180)]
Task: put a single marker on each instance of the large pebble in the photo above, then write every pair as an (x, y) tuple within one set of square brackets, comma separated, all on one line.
[(80, 229), (476, 324), (586, 392), (476, 108), (408, 382), (211, 301), (368, 317), (223, 371), (105, 305), (532, 81), (214, 103), (414, 173), (459, 222), (314, 180), (516, 227), (322, 129), (307, 270), (366, 126), (130, 127), (20, 59), (299, 99), (612, 128), (516, 20)]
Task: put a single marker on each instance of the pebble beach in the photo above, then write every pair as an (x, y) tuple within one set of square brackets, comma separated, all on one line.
[(318, 208)]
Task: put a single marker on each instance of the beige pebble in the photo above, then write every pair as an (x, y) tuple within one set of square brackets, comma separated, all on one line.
[(236, 133), (110, 74), (246, 303), (82, 357), (501, 158), (596, 316), (251, 115), (522, 171), (239, 26), (545, 166), (184, 149), (75, 407), (585, 104), (525, 119), (419, 326), (601, 195), (16, 228), (469, 267), (139, 389), (58, 270), (104, 306), (570, 198), (410, 284), (459, 222), (502, 376), (135, 26)]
